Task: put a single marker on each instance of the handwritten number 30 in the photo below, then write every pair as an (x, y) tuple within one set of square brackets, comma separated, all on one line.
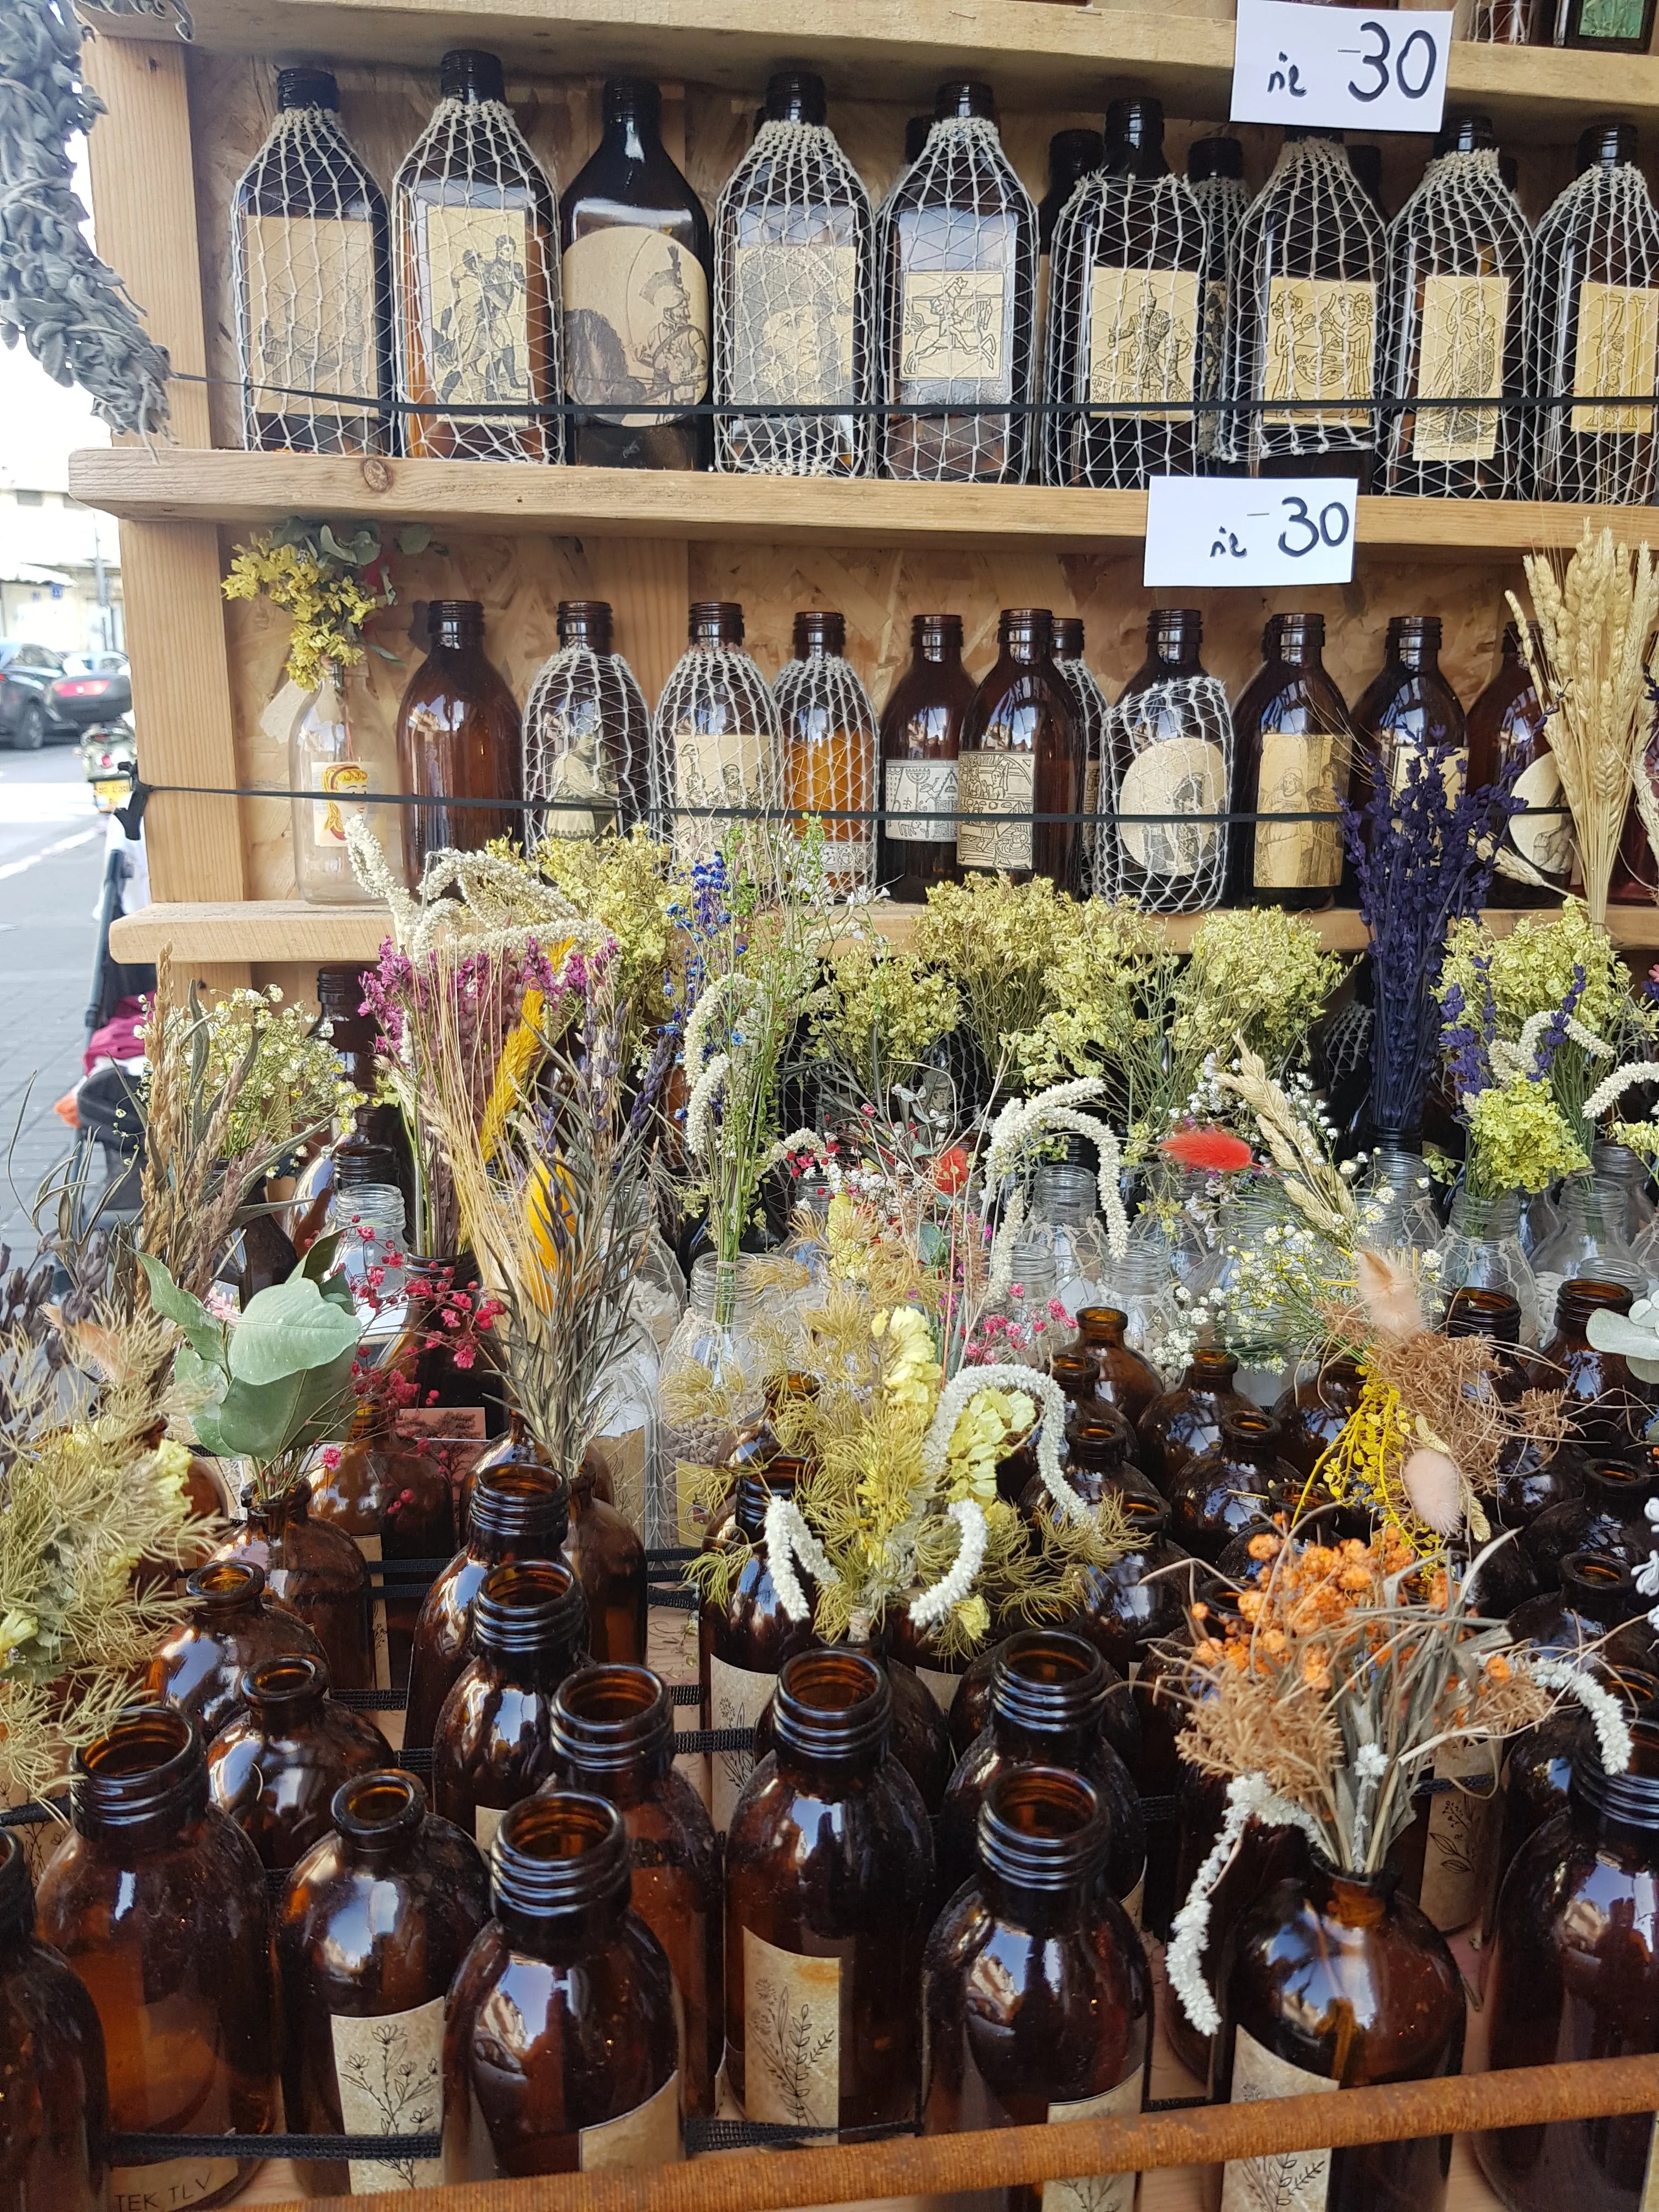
[(1332, 527), (1379, 63)]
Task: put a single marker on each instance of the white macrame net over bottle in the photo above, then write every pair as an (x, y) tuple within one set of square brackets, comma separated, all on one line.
[(1093, 711), (1455, 326), (475, 242), (1303, 321), (829, 736), (716, 744), (795, 301), (956, 248), (1171, 756), (1496, 23), (587, 732), (1222, 201)]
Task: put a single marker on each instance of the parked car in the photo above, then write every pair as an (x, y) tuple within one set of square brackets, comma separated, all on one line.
[(77, 700), (28, 714)]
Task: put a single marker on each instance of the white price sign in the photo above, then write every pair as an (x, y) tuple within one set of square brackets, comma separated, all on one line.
[(1339, 68), (1245, 530)]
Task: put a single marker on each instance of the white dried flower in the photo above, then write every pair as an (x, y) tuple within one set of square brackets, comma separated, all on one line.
[(700, 1106), (787, 1538), (1051, 1402), (931, 1605), (1249, 1797), (1613, 1735)]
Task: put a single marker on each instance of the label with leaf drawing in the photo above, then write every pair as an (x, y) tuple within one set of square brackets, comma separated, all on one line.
[(1135, 1900), (391, 2073), (648, 2136), (171, 2186), (792, 2035), (737, 1698), (1278, 2181), (1458, 1850), (1097, 2192)]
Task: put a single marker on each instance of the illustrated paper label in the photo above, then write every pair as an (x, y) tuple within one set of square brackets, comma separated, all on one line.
[(941, 1687), (1546, 840), (1298, 773), (369, 1547), (171, 2185), (1215, 323), (477, 303), (995, 782), (736, 1699), (1320, 342), (310, 322), (624, 1457), (576, 772), (1649, 2200), (927, 790), (344, 781), (1458, 1850), (1143, 336), (951, 328), (391, 2073), (1173, 777), (648, 2136), (714, 769), (792, 325), (1132, 1904), (458, 1431), (1401, 747), (1618, 354), (1099, 2192), (635, 321), (1278, 2181), (792, 2035), (1611, 19), (486, 1818), (1091, 803), (1461, 357)]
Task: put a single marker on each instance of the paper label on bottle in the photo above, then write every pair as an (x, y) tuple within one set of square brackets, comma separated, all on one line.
[(717, 768), (310, 322), (736, 1699), (792, 2036), (625, 1460), (171, 2184), (1461, 357), (1173, 777), (1618, 353), (1098, 2192), (391, 2073), (342, 782), (476, 308), (456, 1431), (1649, 2200), (1611, 19), (1143, 336), (574, 772), (648, 2136), (1135, 1901), (995, 782), (1546, 840), (1299, 773), (486, 1818), (1278, 2181), (1457, 1853), (941, 1687), (927, 790), (1091, 804), (1319, 345), (792, 325), (369, 1548), (635, 321), (1215, 323), (1401, 748), (951, 327)]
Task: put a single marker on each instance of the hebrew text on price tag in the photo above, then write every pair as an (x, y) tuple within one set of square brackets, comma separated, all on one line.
[(1339, 68), (1243, 530)]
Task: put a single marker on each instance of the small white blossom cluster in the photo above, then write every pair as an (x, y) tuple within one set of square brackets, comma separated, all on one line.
[(787, 1538), (1249, 1797), (932, 1605), (1613, 1735)]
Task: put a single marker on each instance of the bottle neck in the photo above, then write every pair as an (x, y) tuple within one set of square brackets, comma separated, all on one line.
[(142, 1784), (226, 1596), (1622, 1808), (379, 1817), (1102, 1327), (1065, 1195), (939, 643), (1173, 639), (757, 1490), (633, 120), (16, 1896), (514, 1508), (559, 1874), (1418, 652), (613, 1728), (724, 1293), (1048, 1695), (1251, 1440), (286, 1693), (1043, 1840), (1210, 1374), (1485, 1220), (1578, 1300), (527, 1620), (1352, 1900), (831, 1717)]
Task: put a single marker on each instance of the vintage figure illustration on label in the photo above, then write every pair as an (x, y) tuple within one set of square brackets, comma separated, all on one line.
[(1461, 358), (952, 327), (1617, 356), (573, 736), (479, 304), (1320, 343), (635, 321), (995, 782), (311, 313), (718, 769), (792, 325), (926, 791), (1174, 777), (791, 2017), (1143, 336), (1298, 773)]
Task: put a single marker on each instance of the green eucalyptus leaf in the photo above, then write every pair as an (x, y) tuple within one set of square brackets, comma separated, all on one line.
[(287, 1329), (1620, 1333), (322, 1254), (206, 1335), (414, 538), (263, 1419)]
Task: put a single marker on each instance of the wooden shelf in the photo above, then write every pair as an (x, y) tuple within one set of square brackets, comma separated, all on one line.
[(198, 485), (1031, 54)]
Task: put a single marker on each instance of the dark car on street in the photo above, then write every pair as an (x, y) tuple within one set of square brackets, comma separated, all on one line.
[(28, 714), (80, 698)]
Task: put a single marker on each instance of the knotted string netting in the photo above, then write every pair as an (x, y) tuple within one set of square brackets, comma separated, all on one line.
[(795, 306), (308, 228), (1595, 321), (716, 753), (1495, 22), (956, 246), (1169, 757), (1092, 710), (827, 728), (1223, 203), (1455, 326), (1303, 326), (586, 738), (475, 223), (1125, 301)]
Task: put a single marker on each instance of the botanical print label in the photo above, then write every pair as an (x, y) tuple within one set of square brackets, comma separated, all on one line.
[(792, 2035), (995, 782), (342, 782), (792, 325), (486, 1818), (941, 1688), (370, 1548), (1097, 2192), (1546, 840), (1461, 357), (477, 303), (648, 2136), (1458, 1850), (310, 320), (391, 2073), (714, 769), (1173, 777), (1321, 339), (1278, 2181), (1610, 19), (951, 326), (1143, 336), (1299, 773), (926, 790), (1618, 354), (169, 2186), (736, 1699), (635, 321)]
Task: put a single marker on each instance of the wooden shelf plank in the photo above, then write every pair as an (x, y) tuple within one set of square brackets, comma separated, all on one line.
[(198, 484)]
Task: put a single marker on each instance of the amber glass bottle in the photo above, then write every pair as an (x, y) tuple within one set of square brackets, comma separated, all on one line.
[(829, 1887), (1038, 1998), (314, 1572), (1122, 1377), (56, 2101), (494, 1740), (458, 738), (1179, 1424), (1293, 751), (1597, 1605), (1072, 156), (275, 1766), (588, 728), (921, 736), (1608, 1516), (1408, 707), (394, 1502), (231, 1624), (1232, 1487), (970, 1709), (1021, 756), (1603, 1402), (1095, 1463), (372, 1928), (1313, 1412), (919, 1741), (560, 2048), (159, 1903), (1166, 763), (609, 1559), (636, 258), (1506, 724), (1132, 1605), (518, 1511), (830, 748), (613, 1736)]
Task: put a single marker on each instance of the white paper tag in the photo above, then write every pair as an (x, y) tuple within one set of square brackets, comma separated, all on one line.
[(1339, 69), (1250, 530)]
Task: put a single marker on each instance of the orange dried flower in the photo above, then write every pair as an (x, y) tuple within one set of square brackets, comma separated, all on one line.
[(1264, 1546)]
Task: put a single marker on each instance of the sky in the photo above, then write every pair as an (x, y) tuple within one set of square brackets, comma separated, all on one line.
[(41, 422)]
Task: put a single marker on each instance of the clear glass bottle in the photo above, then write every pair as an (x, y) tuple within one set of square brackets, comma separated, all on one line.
[(587, 732), (794, 295), (1408, 707), (316, 1572), (1504, 723), (711, 1380), (636, 258), (828, 728), (957, 252), (1021, 756), (1293, 751), (474, 231), (231, 1624), (1215, 170), (561, 2051), (366, 1204), (921, 736), (1065, 1221), (322, 759), (1171, 758), (717, 748), (52, 2061), (1092, 711), (1481, 1250), (273, 1768), (159, 1903), (458, 738), (1591, 1236)]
